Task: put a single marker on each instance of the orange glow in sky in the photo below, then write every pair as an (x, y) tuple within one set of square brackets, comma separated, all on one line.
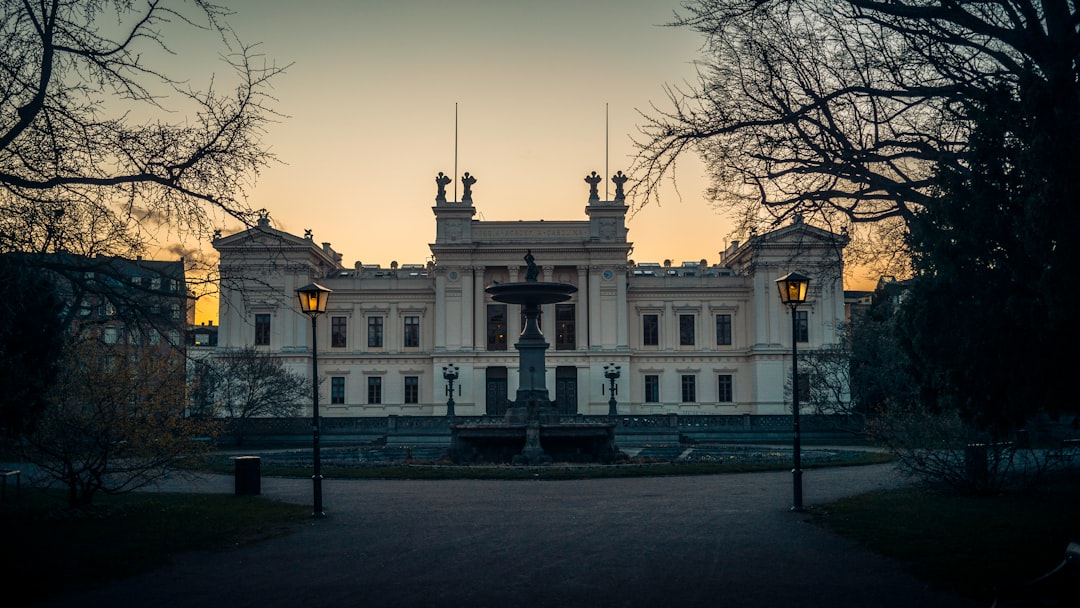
[(370, 105)]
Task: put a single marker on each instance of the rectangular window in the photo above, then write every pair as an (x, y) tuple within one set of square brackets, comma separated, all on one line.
[(496, 327), (689, 389), (412, 332), (174, 311), (110, 335), (564, 327), (650, 330), (802, 326), (262, 330), (374, 389), (338, 331), (724, 392), (337, 389), (686, 330), (412, 389), (723, 330), (804, 388), (374, 332), (155, 283), (652, 388)]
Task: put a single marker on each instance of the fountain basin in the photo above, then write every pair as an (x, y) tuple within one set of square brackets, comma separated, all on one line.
[(531, 292), (504, 443)]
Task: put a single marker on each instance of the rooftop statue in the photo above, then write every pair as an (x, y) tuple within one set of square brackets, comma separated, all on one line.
[(593, 180), (619, 180), (441, 181), (467, 182)]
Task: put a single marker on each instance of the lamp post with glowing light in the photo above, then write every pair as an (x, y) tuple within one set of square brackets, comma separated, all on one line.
[(450, 374), (611, 372), (793, 287), (313, 299)]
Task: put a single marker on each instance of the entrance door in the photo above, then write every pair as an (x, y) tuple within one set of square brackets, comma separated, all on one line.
[(566, 390), (496, 391)]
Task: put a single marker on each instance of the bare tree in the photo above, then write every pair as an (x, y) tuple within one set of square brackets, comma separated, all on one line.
[(248, 384), (826, 372), (115, 420), (842, 110), (102, 150)]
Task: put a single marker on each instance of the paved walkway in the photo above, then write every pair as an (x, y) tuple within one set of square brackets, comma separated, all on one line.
[(725, 540)]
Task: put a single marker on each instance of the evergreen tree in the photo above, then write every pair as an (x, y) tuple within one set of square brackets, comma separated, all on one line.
[(990, 302)]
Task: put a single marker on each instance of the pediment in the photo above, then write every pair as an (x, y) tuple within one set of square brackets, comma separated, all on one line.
[(801, 233), (262, 236)]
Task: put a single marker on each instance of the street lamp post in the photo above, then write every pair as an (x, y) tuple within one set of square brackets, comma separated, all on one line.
[(611, 372), (313, 299), (793, 287), (450, 374)]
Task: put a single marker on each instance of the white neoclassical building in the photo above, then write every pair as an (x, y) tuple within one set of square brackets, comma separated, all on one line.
[(689, 338)]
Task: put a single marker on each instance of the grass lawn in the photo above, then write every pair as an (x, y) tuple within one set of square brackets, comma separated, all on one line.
[(56, 549), (963, 544)]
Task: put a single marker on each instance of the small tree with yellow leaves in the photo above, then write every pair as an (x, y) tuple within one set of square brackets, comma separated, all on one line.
[(116, 420)]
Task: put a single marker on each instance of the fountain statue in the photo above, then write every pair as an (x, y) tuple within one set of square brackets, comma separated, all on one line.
[(532, 419)]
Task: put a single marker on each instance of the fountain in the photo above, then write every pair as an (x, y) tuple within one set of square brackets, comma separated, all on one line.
[(531, 432)]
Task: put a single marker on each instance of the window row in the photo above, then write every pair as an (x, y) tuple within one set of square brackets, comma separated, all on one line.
[(565, 329), (138, 337), (650, 329), (155, 283), (410, 392), (565, 326), (688, 388), (339, 331)]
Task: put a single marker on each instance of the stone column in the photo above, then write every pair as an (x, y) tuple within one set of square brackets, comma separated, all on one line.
[(596, 337), (513, 312), (669, 328), (479, 308), (622, 330), (440, 311), (582, 312), (547, 314)]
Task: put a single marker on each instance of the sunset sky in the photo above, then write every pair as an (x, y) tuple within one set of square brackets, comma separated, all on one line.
[(370, 99)]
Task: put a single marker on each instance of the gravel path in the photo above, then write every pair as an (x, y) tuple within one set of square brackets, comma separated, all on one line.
[(723, 540)]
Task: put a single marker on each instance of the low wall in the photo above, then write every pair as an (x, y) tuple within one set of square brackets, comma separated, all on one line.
[(630, 431)]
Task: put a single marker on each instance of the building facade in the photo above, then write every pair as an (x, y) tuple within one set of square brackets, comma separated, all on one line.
[(689, 338), (134, 302)]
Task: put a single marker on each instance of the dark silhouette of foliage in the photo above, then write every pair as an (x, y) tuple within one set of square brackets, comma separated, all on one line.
[(951, 124), (881, 377), (32, 340), (994, 266)]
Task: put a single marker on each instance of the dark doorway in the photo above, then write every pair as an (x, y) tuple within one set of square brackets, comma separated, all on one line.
[(496, 391), (566, 390)]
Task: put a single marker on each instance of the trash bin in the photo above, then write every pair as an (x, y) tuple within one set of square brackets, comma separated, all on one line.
[(977, 464), (248, 475)]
